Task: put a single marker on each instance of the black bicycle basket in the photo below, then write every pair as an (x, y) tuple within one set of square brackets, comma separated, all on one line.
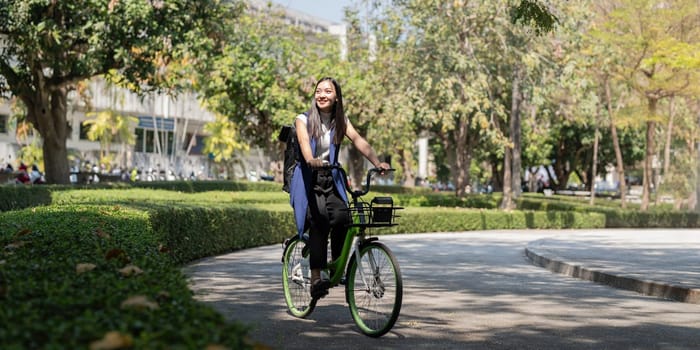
[(377, 213)]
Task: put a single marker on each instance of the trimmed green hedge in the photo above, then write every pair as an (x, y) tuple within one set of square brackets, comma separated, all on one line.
[(192, 233), (13, 197), (46, 302), (453, 220), (433, 199), (616, 217), (205, 186), (50, 305)]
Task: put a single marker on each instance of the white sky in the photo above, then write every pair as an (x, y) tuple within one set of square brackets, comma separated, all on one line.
[(328, 10)]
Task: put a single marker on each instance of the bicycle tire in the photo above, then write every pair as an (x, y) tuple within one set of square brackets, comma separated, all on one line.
[(296, 279), (374, 306)]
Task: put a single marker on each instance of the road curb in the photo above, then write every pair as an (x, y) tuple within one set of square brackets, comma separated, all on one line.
[(652, 288)]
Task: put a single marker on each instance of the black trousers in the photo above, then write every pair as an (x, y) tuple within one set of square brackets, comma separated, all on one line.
[(327, 215)]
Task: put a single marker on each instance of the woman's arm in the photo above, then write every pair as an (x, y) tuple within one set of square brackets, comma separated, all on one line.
[(305, 144), (364, 147), (303, 139)]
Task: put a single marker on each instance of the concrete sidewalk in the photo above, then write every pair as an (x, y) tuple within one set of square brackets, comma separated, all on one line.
[(658, 262)]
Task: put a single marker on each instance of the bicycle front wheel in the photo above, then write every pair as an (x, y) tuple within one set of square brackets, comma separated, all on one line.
[(374, 289), (296, 278)]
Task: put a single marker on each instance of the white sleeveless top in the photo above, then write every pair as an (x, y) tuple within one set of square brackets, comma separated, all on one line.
[(324, 144)]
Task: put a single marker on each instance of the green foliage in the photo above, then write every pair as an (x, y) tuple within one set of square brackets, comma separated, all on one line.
[(448, 200), (197, 232), (681, 179), (263, 78), (455, 220), (534, 13), (204, 186), (222, 140), (108, 126), (64, 304), (13, 197), (49, 47), (614, 216)]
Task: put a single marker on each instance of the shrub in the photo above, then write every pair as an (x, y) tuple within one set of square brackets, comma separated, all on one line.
[(46, 302), (13, 197)]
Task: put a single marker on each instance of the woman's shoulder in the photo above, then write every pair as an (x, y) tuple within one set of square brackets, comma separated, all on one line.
[(303, 117)]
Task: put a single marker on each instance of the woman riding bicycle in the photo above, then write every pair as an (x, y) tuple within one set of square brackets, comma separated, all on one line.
[(318, 193)]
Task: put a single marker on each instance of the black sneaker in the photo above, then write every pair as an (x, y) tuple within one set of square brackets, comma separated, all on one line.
[(319, 288)]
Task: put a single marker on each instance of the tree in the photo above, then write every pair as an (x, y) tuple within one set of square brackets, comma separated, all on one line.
[(377, 98), (265, 76), (51, 46), (109, 126), (660, 42), (448, 46), (223, 142), (534, 13), (679, 160)]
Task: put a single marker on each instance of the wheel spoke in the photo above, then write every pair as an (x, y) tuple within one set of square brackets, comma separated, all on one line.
[(297, 282), (375, 290)]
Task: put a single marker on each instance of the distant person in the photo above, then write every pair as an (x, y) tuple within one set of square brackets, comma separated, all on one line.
[(23, 176), (35, 176)]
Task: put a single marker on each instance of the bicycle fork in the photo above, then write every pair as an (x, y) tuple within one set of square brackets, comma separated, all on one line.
[(373, 285)]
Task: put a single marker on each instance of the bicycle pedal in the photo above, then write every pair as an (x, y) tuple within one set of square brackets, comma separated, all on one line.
[(320, 289)]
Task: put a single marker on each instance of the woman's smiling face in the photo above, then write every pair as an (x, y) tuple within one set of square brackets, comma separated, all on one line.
[(325, 96)]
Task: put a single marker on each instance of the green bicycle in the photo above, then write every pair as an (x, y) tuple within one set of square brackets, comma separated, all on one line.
[(372, 279)]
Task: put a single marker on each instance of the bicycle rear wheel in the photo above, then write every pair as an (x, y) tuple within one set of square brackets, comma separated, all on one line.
[(374, 289), (296, 278)]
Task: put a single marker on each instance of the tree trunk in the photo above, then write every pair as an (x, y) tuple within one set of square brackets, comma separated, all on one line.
[(47, 113), (462, 158), (669, 136), (507, 201), (409, 176), (357, 169), (648, 159), (616, 146), (463, 144), (667, 145), (594, 165), (561, 174), (497, 178), (697, 167), (515, 133)]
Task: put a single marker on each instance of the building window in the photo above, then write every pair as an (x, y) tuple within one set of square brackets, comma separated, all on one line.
[(84, 128), (150, 141), (138, 147), (3, 124), (193, 143), (146, 141)]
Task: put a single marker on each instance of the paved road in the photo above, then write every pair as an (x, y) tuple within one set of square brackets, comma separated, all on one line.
[(474, 290)]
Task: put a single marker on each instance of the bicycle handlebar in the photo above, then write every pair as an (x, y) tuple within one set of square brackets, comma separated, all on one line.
[(365, 190)]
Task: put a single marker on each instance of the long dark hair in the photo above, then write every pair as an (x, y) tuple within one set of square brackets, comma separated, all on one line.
[(337, 114)]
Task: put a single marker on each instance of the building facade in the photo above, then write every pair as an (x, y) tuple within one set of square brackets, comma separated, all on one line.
[(169, 130)]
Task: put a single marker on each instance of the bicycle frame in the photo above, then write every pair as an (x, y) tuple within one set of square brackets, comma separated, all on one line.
[(373, 289), (337, 267)]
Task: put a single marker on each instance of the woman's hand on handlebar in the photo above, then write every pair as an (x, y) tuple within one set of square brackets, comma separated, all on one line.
[(383, 167), (317, 163)]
